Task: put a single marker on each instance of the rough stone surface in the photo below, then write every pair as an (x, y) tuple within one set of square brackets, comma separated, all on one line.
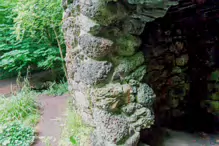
[(105, 67), (86, 24), (95, 47), (93, 72), (146, 95), (113, 128), (127, 65), (102, 12), (138, 74), (133, 26), (111, 97), (127, 45)]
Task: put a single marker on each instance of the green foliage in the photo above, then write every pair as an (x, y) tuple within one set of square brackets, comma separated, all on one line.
[(215, 76), (21, 107), (75, 131), (17, 113), (28, 35), (72, 139), (40, 19), (16, 134), (57, 89)]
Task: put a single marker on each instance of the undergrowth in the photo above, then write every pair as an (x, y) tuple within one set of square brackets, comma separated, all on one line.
[(20, 107), (57, 89), (16, 134), (18, 114), (74, 132)]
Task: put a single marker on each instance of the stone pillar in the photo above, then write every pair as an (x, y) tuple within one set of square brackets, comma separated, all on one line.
[(105, 66)]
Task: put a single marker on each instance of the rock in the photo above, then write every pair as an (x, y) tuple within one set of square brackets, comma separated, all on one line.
[(126, 65), (108, 94), (144, 1), (142, 144), (103, 12), (110, 97), (65, 3), (130, 108), (138, 74), (70, 39), (145, 95), (133, 140), (93, 72), (133, 26), (81, 99), (86, 24), (111, 128), (138, 116), (95, 47), (127, 45), (142, 118)]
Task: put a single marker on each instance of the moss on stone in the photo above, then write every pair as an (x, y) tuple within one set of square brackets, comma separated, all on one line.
[(214, 106), (127, 65), (110, 13), (138, 74), (127, 45)]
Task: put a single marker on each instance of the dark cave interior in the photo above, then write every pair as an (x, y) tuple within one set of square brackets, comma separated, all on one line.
[(182, 57)]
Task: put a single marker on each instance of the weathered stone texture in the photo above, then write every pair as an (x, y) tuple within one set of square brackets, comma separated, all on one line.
[(146, 95), (92, 72), (105, 67), (108, 125), (111, 97), (126, 65), (95, 47)]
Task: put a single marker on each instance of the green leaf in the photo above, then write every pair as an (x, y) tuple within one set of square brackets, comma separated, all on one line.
[(72, 139)]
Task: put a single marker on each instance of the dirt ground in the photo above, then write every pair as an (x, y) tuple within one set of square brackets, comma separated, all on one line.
[(52, 109), (50, 125), (7, 86)]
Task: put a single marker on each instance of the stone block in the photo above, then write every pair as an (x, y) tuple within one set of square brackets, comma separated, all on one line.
[(95, 47), (111, 128), (111, 97), (93, 72), (126, 65), (127, 45), (133, 26), (145, 95)]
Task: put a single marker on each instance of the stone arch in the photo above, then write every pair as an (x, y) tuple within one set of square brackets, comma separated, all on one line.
[(106, 67)]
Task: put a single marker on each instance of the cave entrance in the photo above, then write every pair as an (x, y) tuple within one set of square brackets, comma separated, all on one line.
[(182, 56)]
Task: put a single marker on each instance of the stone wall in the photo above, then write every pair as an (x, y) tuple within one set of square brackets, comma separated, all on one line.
[(105, 66)]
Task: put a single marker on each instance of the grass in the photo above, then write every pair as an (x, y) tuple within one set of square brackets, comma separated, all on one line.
[(19, 114), (57, 89), (20, 107), (74, 132)]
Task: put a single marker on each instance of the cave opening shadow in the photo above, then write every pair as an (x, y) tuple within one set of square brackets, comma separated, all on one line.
[(198, 39)]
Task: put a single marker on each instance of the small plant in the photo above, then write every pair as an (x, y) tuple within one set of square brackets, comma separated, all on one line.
[(16, 134), (47, 140), (20, 107), (75, 132), (57, 89)]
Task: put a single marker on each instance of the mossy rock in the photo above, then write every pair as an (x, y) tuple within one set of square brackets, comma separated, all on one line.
[(127, 45)]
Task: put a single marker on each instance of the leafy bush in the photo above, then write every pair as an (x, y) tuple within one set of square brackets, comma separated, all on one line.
[(30, 35), (20, 107), (16, 134)]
